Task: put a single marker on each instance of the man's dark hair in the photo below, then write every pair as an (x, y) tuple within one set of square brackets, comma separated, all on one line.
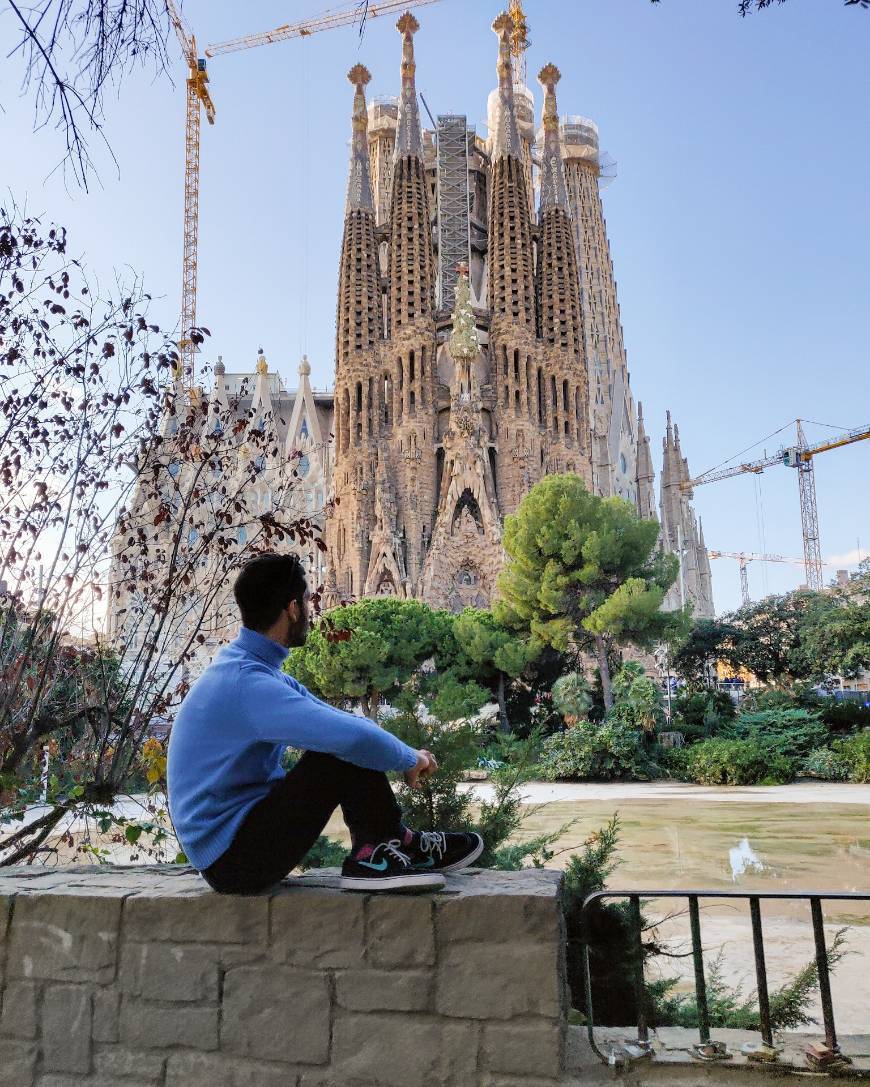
[(265, 586)]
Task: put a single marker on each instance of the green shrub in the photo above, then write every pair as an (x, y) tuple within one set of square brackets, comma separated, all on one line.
[(793, 733), (701, 714), (597, 752), (722, 761), (845, 716), (826, 764), (855, 751), (572, 696)]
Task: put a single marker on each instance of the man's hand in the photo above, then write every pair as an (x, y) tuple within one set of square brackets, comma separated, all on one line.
[(426, 766)]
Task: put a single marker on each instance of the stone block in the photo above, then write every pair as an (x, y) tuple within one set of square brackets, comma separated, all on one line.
[(477, 982), (400, 932), (169, 972), (119, 1065), (401, 1050), (201, 918), (210, 1070), (497, 918), (384, 990), (106, 1009), (59, 938), (63, 1079), (66, 1028), (17, 1062), (533, 1048), (317, 928), (18, 1015), (276, 1013), (155, 1026)]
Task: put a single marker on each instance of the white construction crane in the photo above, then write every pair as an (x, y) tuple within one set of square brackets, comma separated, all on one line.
[(743, 559), (798, 456)]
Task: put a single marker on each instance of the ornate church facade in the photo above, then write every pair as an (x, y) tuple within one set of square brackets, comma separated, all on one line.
[(478, 348), (478, 343)]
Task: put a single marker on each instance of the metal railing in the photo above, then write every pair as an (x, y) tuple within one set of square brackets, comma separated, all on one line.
[(831, 1053)]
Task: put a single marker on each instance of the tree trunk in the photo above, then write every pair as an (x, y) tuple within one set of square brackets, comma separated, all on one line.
[(503, 722), (604, 668)]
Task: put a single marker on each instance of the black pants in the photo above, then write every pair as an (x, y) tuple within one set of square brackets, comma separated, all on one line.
[(281, 828)]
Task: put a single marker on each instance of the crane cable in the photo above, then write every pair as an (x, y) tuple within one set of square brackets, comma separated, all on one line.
[(305, 201)]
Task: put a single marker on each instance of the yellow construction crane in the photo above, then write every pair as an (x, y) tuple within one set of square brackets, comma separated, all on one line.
[(798, 456), (743, 559), (198, 96)]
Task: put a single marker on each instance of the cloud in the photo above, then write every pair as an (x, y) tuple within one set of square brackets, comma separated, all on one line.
[(847, 559)]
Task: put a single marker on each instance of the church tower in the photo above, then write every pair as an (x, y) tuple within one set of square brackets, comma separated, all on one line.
[(516, 378), (357, 363), (611, 405), (560, 324)]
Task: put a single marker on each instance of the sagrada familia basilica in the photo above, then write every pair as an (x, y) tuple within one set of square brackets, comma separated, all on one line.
[(478, 348)]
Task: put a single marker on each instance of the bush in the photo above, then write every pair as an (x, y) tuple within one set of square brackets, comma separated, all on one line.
[(845, 716), (793, 733), (855, 752), (571, 695), (722, 761), (597, 752), (701, 714), (827, 765)]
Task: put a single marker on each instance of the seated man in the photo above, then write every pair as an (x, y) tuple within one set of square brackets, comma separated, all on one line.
[(241, 819)]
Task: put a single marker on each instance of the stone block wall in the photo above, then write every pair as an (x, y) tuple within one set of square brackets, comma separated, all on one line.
[(142, 977)]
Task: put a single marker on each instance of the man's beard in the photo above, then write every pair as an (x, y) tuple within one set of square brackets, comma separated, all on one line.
[(298, 633)]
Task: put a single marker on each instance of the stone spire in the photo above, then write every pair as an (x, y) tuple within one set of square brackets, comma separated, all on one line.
[(412, 277), (506, 137), (558, 285), (358, 320), (359, 183), (511, 277), (408, 138), (645, 478), (554, 192)]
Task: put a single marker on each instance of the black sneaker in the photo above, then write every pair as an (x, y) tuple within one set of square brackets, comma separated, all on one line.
[(442, 850), (387, 868)]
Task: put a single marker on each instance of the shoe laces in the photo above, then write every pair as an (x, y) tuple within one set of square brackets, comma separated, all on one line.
[(433, 841), (392, 849)]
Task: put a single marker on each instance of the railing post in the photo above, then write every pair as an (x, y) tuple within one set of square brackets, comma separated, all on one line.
[(761, 972), (824, 974), (639, 986)]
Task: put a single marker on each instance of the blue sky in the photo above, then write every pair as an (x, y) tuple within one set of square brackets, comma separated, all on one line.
[(739, 221)]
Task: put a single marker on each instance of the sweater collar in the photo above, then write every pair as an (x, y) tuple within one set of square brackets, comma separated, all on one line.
[(250, 641)]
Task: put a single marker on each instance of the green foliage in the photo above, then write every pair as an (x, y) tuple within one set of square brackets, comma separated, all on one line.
[(721, 761), (362, 652), (792, 733), (729, 1007), (700, 714), (637, 699), (835, 634), (826, 764), (325, 853), (491, 647), (845, 716), (571, 695), (583, 572), (609, 751), (855, 751), (696, 650)]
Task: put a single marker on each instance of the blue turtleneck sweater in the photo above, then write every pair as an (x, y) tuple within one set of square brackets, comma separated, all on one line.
[(231, 732)]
